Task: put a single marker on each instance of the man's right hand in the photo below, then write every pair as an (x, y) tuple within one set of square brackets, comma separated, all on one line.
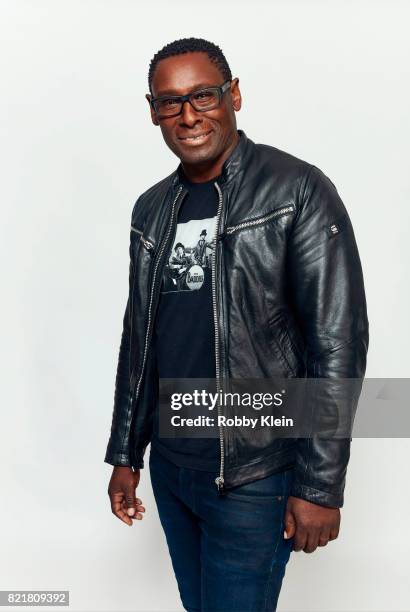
[(121, 490)]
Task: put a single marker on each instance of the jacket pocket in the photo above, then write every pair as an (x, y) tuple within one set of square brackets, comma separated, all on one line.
[(291, 357), (292, 343), (272, 215)]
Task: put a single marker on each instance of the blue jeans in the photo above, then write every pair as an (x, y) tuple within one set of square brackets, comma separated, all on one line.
[(228, 552)]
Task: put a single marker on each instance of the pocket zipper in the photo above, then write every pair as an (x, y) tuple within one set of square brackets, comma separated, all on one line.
[(278, 212), (147, 244)]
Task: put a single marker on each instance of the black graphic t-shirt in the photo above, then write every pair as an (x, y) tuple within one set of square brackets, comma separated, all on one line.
[(184, 326)]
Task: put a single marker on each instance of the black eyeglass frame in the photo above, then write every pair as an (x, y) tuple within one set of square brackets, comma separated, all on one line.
[(221, 89)]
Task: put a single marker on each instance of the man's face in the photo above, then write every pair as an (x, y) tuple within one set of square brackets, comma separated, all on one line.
[(183, 74)]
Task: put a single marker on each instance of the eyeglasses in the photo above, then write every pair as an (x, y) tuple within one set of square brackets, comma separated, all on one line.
[(201, 100)]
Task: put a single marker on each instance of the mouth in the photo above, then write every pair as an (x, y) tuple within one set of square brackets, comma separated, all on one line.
[(195, 140)]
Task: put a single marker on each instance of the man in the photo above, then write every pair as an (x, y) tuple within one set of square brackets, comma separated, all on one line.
[(178, 265), (200, 249), (286, 299)]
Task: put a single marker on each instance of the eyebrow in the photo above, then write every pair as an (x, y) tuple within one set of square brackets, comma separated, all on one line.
[(170, 92)]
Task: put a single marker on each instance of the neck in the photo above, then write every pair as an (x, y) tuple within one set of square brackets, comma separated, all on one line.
[(200, 173)]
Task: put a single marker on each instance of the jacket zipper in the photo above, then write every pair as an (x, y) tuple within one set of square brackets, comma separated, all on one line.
[(158, 260), (219, 480), (278, 212)]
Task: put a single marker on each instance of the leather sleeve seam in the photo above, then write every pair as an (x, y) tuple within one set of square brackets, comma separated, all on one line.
[(134, 208), (301, 198)]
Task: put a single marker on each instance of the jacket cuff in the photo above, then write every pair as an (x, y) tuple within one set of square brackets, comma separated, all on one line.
[(122, 459), (322, 498)]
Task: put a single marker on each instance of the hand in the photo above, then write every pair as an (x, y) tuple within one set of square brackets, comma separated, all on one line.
[(121, 490), (310, 525)]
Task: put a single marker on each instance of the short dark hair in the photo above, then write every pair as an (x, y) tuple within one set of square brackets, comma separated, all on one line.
[(191, 45)]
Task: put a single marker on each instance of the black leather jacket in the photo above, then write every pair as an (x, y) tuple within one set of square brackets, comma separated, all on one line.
[(289, 301)]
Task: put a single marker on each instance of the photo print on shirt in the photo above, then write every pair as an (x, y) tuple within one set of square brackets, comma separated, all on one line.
[(190, 258)]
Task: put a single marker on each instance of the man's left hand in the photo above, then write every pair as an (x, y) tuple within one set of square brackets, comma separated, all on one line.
[(310, 525)]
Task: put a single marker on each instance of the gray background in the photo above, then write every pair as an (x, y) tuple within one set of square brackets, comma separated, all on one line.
[(77, 148)]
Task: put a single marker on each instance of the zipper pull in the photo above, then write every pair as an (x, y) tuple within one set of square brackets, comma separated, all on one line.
[(147, 244), (219, 481)]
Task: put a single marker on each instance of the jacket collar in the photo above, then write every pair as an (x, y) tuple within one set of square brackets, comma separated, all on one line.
[(231, 165)]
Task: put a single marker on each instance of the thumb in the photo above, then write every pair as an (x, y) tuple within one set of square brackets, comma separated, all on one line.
[(130, 501), (290, 525)]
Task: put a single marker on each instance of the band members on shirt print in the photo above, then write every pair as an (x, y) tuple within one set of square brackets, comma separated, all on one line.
[(178, 265), (188, 265), (200, 251)]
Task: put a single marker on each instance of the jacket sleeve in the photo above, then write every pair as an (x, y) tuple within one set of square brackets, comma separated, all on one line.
[(328, 296), (118, 451)]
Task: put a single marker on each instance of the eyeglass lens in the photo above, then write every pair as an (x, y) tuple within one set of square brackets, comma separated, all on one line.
[(206, 99)]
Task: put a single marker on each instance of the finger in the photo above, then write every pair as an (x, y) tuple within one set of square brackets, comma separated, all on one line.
[(139, 513), (324, 537), (290, 526), (138, 502), (334, 532), (130, 500), (300, 539), (115, 499), (116, 508), (137, 510), (312, 541)]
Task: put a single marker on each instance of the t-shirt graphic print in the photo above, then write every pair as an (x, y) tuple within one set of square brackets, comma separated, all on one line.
[(190, 260)]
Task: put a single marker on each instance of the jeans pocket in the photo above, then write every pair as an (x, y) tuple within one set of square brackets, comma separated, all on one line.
[(270, 488)]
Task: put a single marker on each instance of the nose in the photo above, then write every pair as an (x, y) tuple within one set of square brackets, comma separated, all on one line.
[(188, 115)]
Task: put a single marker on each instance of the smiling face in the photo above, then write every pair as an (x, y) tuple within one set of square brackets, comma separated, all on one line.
[(183, 74)]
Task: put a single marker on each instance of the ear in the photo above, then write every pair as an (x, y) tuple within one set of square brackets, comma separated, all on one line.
[(236, 95), (153, 115)]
